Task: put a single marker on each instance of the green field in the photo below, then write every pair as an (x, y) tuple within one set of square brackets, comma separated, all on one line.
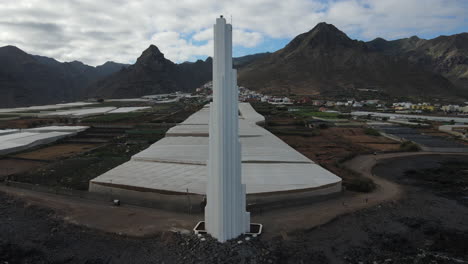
[(148, 135), (326, 115), (107, 118), (371, 132), (146, 131)]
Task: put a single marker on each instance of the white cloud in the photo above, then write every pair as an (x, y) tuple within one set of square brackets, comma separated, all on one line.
[(205, 34), (246, 39), (96, 31), (397, 18), (178, 49), (240, 37)]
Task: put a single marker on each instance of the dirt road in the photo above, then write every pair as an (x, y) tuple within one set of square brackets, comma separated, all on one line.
[(123, 220), (288, 220), (141, 222)]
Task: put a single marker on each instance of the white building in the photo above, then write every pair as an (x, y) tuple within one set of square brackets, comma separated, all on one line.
[(402, 105), (450, 108), (225, 211)]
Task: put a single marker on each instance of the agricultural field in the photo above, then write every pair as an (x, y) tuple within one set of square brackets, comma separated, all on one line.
[(326, 115), (110, 141), (109, 118), (76, 172), (326, 144), (55, 152)]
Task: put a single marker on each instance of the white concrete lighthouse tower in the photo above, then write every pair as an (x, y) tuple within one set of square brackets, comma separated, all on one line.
[(225, 211)]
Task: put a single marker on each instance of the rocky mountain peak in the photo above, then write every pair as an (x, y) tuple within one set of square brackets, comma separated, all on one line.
[(11, 48), (325, 27), (13, 55), (151, 54), (323, 35), (327, 32)]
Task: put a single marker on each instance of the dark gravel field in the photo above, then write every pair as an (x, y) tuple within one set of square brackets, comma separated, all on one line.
[(430, 141), (427, 226)]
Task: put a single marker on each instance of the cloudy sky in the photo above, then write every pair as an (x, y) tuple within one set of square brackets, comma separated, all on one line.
[(95, 31)]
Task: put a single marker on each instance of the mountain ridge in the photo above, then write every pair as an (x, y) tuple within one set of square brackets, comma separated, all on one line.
[(27, 79), (322, 62), (445, 55), (325, 61), (152, 73)]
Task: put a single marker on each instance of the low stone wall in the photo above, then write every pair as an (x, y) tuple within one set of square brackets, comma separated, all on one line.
[(194, 203)]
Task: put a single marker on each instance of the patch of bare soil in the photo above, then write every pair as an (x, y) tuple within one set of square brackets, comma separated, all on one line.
[(382, 147), (12, 166), (376, 143), (76, 172), (438, 133), (27, 123), (56, 151), (334, 143), (329, 148)]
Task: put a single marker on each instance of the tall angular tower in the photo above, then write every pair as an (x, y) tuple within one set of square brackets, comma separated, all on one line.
[(225, 211)]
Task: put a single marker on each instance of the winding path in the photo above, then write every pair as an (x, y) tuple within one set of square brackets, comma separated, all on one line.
[(286, 220)]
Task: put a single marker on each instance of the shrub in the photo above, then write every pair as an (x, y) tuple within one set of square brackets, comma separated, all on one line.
[(295, 132), (324, 126), (371, 132), (359, 184), (113, 117), (349, 156), (409, 146)]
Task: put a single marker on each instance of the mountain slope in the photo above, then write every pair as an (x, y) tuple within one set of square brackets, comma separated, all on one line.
[(152, 74), (28, 80), (31, 79), (327, 62), (108, 68), (446, 55), (323, 61), (240, 62)]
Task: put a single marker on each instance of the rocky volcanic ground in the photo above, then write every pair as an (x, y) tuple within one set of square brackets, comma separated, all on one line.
[(427, 226)]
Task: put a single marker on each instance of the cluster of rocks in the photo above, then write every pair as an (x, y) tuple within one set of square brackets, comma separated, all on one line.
[(205, 249)]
